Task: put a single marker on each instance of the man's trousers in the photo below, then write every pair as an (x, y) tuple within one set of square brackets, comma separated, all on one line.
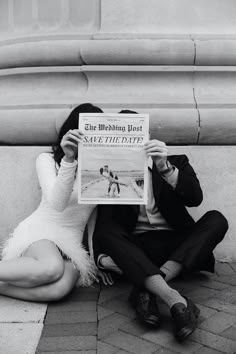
[(142, 255)]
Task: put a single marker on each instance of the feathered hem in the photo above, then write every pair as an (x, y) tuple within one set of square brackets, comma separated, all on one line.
[(71, 247)]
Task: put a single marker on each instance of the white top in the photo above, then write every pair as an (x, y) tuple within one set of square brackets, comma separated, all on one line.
[(60, 193)]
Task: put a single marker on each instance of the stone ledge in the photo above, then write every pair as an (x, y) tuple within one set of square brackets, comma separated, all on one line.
[(59, 51), (41, 126), (36, 125), (190, 100)]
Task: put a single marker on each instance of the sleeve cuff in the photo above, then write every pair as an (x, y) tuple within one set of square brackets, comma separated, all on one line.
[(101, 255), (69, 164), (172, 179)]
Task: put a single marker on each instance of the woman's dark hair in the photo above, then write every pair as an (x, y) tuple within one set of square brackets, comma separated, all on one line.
[(71, 123)]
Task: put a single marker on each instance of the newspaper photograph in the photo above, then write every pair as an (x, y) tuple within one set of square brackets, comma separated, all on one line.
[(113, 164)]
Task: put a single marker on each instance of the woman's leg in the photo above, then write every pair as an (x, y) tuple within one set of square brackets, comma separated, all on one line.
[(50, 292), (41, 264)]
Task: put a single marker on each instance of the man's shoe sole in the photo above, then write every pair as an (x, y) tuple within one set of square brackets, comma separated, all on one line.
[(151, 320), (184, 333)]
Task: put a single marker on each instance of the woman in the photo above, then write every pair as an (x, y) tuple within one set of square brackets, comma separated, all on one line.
[(44, 258), (113, 185)]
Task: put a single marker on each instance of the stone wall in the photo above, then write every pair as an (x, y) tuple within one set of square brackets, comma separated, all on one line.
[(172, 59)]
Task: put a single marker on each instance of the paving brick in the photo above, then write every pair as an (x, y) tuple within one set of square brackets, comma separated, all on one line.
[(207, 350), (228, 296), (111, 324), (205, 313), (228, 279), (221, 306), (135, 328), (164, 351), (230, 333), (73, 306), (122, 352), (223, 268), (103, 312), (104, 348), (77, 329), (192, 281), (71, 317), (116, 290), (84, 296), (120, 306), (218, 322), (58, 344), (71, 352), (213, 284), (165, 338), (214, 341), (131, 343), (201, 294), (233, 266)]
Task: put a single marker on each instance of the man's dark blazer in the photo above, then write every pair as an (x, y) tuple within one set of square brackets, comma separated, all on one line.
[(171, 202)]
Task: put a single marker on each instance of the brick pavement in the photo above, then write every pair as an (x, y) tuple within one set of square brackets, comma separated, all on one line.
[(100, 320)]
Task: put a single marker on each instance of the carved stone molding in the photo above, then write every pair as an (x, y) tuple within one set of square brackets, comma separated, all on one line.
[(54, 51), (187, 105), (176, 62)]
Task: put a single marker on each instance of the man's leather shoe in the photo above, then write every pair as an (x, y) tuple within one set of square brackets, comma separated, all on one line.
[(185, 318), (145, 306)]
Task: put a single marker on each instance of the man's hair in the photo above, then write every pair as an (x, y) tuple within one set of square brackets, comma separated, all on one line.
[(127, 111)]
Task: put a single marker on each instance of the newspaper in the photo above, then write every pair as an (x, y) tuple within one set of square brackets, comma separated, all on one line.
[(112, 165)]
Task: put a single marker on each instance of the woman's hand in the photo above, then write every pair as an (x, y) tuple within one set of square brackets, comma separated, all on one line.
[(70, 142), (105, 277)]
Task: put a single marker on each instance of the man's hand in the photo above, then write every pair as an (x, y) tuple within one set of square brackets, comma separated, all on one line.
[(104, 277), (158, 151)]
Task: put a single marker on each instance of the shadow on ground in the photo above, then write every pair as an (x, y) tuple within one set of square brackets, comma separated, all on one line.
[(100, 320)]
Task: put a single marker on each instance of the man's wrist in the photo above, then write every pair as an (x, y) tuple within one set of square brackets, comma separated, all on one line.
[(166, 169), (161, 166)]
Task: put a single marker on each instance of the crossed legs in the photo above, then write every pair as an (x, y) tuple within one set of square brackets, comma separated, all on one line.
[(41, 274), (144, 258)]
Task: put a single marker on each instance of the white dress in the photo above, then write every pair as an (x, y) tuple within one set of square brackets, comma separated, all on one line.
[(59, 218)]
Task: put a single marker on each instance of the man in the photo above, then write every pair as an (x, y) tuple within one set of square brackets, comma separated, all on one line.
[(113, 185), (153, 244)]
